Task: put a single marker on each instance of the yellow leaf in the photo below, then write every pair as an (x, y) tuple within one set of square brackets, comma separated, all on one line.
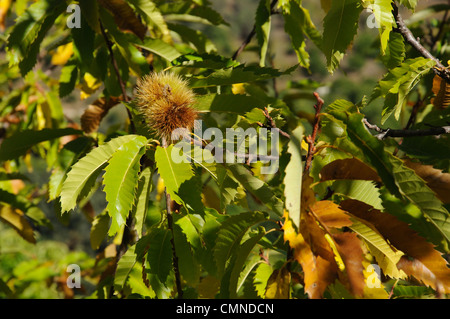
[(15, 217), (278, 284), (4, 7), (89, 86), (62, 54), (373, 288), (238, 88)]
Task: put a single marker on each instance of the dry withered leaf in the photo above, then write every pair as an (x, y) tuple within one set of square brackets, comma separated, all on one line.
[(348, 168), (90, 120), (349, 247), (442, 91), (125, 17)]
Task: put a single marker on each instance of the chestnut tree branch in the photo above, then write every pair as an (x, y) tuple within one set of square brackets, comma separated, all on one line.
[(385, 133), (440, 69)]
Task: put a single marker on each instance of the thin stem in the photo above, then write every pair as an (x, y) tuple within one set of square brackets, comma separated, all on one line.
[(312, 138), (122, 85), (176, 268), (252, 33)]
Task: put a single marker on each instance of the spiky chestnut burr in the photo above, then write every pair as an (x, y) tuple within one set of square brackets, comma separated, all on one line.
[(166, 102)]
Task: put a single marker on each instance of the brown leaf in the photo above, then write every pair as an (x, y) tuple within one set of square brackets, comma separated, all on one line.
[(349, 168), (442, 91), (125, 17), (403, 238), (90, 120), (349, 247), (438, 181)]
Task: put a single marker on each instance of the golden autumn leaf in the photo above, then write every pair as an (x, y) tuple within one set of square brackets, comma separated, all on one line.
[(62, 54), (348, 168), (90, 120), (89, 86), (16, 218), (125, 17), (318, 272), (330, 215), (442, 91), (403, 238), (438, 181)]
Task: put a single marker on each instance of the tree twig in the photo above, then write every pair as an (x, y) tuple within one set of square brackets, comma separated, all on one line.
[(122, 85), (312, 138), (385, 133), (271, 123), (250, 36), (440, 69)]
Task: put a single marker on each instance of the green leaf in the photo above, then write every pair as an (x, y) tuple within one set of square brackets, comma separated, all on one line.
[(19, 143), (297, 24), (159, 47), (230, 236), (256, 187), (239, 74), (173, 174), (227, 187), (29, 31), (120, 180), (68, 78), (151, 15), (188, 265), (229, 282), (142, 199), (124, 41), (201, 42), (124, 267), (86, 170), (339, 28), (382, 10), (293, 176), (159, 254), (262, 28), (83, 40), (398, 83), (395, 51), (364, 191), (230, 103), (99, 229), (410, 4)]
